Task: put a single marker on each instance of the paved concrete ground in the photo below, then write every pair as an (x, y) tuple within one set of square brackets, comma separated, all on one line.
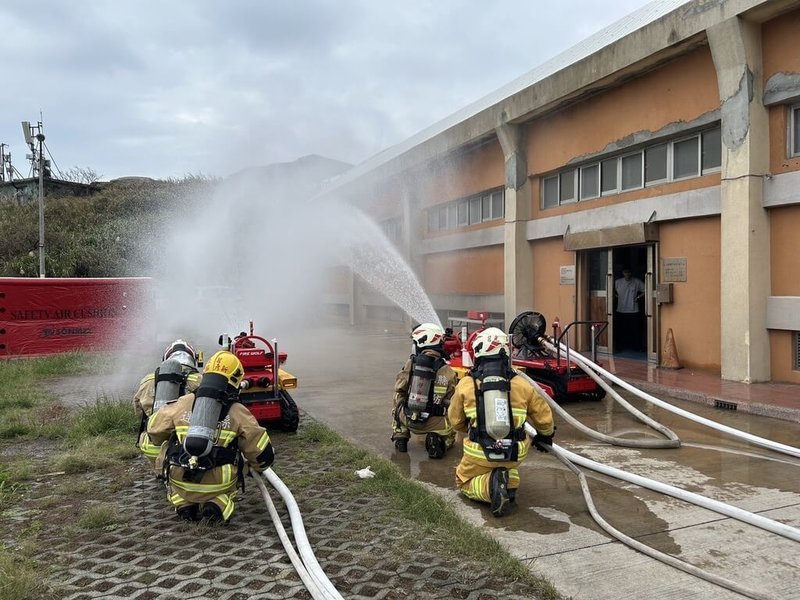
[(346, 381)]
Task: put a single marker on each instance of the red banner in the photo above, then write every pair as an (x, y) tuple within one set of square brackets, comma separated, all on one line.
[(46, 316)]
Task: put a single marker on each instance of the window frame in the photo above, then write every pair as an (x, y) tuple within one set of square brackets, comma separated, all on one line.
[(718, 168), (544, 205), (794, 130), (622, 157), (618, 176), (574, 198), (699, 162), (596, 191)]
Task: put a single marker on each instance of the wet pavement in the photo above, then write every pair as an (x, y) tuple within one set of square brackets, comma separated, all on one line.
[(346, 381)]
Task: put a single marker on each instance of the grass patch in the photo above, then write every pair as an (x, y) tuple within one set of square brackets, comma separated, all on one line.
[(106, 417), (21, 577), (433, 517), (100, 516)]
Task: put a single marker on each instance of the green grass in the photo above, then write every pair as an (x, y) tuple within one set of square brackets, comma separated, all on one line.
[(106, 417), (21, 577), (100, 516), (433, 516)]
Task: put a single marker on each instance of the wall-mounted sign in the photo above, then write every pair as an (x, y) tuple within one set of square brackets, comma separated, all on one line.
[(567, 275), (673, 270)]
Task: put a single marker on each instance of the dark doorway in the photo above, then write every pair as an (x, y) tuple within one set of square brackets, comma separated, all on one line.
[(630, 324)]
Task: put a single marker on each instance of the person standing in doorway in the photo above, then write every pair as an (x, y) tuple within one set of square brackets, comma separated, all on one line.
[(628, 290)]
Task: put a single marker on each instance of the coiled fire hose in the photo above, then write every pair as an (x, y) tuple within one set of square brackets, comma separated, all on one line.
[(306, 565), (588, 365), (569, 459)]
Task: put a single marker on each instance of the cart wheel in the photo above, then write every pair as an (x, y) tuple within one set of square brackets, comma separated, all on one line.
[(290, 415), (598, 394)]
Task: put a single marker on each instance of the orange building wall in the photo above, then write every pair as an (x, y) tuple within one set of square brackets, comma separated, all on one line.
[(785, 274), (780, 55), (471, 271), (694, 313), (550, 297), (679, 91), (781, 348), (463, 175), (784, 228), (682, 90)]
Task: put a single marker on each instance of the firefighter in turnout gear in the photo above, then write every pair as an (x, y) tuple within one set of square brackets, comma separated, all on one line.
[(423, 389), (176, 375), (209, 434), (490, 406)]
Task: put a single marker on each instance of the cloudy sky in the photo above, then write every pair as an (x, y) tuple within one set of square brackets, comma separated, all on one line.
[(166, 88)]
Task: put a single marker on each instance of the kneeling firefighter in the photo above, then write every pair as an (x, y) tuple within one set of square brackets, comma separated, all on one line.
[(176, 375), (490, 406), (209, 434), (423, 389)]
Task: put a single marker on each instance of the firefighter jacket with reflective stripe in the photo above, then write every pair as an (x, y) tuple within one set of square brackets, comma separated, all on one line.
[(443, 385), (239, 426), (526, 403), (146, 393)]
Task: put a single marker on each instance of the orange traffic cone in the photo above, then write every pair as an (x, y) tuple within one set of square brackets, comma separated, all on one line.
[(670, 358)]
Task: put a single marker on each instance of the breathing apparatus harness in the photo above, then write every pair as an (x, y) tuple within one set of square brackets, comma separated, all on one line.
[(495, 431), (422, 403), (195, 466), (178, 378)]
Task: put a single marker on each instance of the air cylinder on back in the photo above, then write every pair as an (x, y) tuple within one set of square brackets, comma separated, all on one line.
[(496, 406), (422, 375), (169, 378), (208, 403)]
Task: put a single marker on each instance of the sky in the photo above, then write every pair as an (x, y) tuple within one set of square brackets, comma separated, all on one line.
[(172, 88)]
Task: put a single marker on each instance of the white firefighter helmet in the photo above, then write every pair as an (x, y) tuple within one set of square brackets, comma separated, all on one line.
[(490, 342), (181, 351), (427, 335)]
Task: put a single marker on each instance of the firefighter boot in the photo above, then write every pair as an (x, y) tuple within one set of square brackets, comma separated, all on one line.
[(498, 491), (188, 512), (401, 444), (435, 446), (211, 513)]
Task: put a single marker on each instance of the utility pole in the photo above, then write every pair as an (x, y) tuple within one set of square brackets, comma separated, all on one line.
[(38, 163), (40, 138)]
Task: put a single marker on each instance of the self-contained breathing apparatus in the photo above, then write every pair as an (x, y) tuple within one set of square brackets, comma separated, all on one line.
[(169, 382), (200, 450), (422, 400), (495, 431)]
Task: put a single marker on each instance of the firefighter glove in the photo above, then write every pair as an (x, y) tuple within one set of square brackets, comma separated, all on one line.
[(543, 442)]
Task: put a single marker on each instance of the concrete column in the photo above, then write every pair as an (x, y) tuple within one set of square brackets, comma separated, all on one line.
[(410, 238), (745, 238), (517, 259)]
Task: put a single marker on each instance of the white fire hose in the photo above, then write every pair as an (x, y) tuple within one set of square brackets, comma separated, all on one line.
[(569, 458), (306, 565), (585, 363)]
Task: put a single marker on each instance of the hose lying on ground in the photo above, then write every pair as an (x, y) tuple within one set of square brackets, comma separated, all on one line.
[(567, 458), (582, 361), (309, 570)]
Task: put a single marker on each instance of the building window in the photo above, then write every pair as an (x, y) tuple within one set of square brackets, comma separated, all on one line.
[(608, 175), (550, 192), (655, 164), (566, 186), (686, 158), (590, 182), (392, 228), (475, 210), (794, 130), (796, 365), (632, 171), (463, 212), (712, 149), (467, 211)]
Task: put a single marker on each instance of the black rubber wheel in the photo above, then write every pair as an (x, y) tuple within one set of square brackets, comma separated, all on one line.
[(290, 415)]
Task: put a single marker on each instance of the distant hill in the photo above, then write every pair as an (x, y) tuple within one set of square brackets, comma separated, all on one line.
[(312, 169)]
